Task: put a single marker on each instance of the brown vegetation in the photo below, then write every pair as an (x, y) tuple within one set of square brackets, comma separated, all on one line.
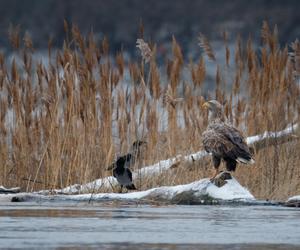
[(62, 122)]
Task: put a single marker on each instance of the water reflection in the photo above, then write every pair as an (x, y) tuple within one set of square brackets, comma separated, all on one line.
[(110, 226)]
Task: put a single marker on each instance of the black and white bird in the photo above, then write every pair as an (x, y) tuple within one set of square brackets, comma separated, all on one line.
[(121, 167)]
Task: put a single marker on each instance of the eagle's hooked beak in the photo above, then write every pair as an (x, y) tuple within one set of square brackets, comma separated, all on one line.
[(206, 105)]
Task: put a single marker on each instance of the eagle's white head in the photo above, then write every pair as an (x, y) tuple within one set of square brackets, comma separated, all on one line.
[(215, 110)]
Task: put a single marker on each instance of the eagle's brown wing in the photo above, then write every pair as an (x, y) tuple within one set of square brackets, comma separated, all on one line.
[(233, 135), (216, 143), (225, 141)]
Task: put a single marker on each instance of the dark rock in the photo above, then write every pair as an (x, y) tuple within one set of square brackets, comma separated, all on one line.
[(17, 199), (189, 198), (292, 203), (220, 179)]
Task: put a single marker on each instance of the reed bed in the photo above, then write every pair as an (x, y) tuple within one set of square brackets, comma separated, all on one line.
[(65, 118)]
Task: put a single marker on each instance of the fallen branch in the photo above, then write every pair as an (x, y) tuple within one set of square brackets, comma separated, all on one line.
[(293, 201), (198, 192), (258, 142), (14, 190), (273, 140)]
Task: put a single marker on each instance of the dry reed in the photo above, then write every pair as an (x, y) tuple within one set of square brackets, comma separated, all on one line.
[(63, 122)]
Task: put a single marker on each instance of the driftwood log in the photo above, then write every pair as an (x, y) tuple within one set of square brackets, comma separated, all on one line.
[(273, 141), (14, 190), (256, 146), (257, 143), (292, 203)]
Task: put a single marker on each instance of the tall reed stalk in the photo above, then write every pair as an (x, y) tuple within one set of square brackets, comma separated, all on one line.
[(63, 120)]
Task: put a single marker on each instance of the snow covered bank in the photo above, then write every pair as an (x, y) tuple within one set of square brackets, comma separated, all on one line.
[(198, 192), (294, 198), (162, 166), (293, 201), (110, 181)]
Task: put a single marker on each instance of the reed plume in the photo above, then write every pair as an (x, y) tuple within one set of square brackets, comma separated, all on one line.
[(64, 121)]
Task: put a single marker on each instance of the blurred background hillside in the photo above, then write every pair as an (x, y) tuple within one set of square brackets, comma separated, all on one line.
[(119, 20)]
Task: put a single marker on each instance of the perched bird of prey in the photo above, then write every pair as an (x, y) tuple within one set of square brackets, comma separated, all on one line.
[(223, 140), (121, 167)]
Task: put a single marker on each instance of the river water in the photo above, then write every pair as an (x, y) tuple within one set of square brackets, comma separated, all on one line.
[(132, 226)]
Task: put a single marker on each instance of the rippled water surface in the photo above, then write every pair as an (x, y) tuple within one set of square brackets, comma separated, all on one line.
[(124, 226)]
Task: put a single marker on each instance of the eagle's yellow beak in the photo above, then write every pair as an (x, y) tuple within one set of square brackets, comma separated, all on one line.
[(206, 105)]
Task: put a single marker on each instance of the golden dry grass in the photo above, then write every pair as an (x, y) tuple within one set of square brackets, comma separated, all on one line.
[(63, 122)]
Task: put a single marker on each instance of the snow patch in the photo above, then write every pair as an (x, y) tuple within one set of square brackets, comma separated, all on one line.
[(267, 134), (160, 167), (294, 198), (201, 191)]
